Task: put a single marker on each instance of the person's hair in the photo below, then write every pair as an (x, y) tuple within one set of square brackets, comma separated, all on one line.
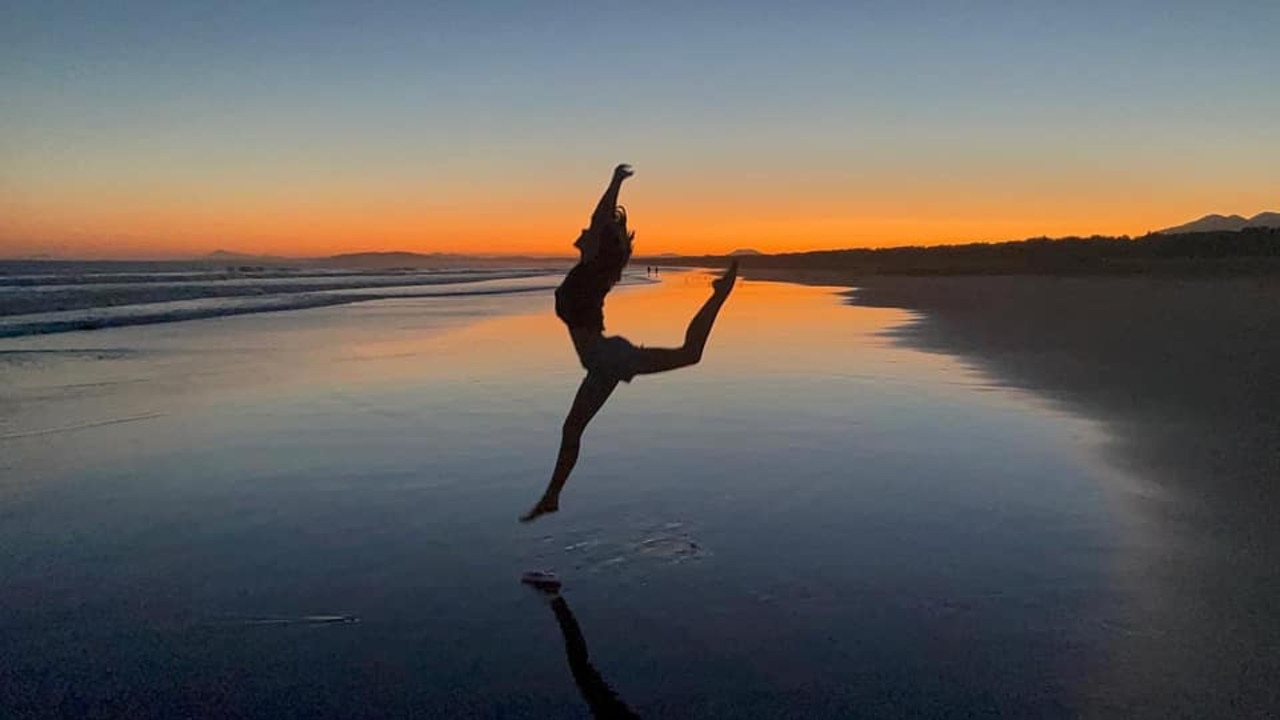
[(620, 219), (624, 239)]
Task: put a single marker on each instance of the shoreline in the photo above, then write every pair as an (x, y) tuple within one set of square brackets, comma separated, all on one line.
[(1181, 371), (1149, 356)]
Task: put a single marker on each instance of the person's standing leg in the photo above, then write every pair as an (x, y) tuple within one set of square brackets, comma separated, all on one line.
[(592, 394)]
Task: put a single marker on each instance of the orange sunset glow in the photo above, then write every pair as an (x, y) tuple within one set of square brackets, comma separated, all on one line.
[(720, 220)]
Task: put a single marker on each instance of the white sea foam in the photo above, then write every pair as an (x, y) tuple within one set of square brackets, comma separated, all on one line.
[(79, 298)]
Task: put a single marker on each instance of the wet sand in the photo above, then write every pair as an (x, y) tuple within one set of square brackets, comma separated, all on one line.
[(313, 514), (1183, 373)]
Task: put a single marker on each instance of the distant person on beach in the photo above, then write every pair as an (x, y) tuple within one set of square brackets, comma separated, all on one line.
[(605, 248)]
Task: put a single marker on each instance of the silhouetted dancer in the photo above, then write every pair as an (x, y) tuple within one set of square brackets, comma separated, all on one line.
[(605, 249), (601, 698)]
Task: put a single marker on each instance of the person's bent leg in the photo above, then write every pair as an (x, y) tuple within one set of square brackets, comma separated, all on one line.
[(592, 394), (656, 360)]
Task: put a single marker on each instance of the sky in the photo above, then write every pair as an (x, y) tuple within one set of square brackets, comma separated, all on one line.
[(170, 129)]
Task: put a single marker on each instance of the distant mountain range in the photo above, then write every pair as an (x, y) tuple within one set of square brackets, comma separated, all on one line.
[(1225, 223), (237, 257), (391, 260), (411, 260)]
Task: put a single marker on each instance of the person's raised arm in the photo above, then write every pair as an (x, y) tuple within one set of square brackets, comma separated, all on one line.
[(609, 201)]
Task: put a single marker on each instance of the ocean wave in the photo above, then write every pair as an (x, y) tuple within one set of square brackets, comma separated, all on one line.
[(22, 276), (57, 296), (162, 306)]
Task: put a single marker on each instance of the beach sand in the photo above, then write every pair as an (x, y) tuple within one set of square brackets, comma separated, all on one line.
[(313, 513), (1183, 373)]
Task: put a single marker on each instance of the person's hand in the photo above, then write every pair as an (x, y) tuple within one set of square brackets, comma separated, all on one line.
[(622, 172)]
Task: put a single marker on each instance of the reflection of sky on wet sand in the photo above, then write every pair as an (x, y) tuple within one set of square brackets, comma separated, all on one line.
[(814, 519)]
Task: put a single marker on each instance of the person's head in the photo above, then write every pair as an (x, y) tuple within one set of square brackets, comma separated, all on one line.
[(620, 226), (611, 238)]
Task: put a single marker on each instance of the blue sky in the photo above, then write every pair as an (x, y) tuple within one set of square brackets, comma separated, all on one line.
[(870, 110)]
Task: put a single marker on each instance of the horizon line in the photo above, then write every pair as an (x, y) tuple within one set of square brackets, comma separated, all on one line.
[(232, 255)]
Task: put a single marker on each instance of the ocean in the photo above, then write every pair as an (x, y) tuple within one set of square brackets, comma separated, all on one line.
[(39, 297)]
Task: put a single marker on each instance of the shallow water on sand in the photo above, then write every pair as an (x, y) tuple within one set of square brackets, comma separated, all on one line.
[(313, 513)]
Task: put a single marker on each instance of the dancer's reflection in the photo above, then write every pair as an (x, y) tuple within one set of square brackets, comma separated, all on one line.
[(602, 700), (605, 248)]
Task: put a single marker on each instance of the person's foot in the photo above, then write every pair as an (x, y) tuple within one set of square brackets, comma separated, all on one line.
[(544, 582), (725, 282), (544, 507)]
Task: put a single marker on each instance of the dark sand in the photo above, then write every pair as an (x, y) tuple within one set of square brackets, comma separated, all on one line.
[(1184, 374)]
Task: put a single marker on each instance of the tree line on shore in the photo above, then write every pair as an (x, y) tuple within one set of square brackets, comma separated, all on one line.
[(1248, 250)]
